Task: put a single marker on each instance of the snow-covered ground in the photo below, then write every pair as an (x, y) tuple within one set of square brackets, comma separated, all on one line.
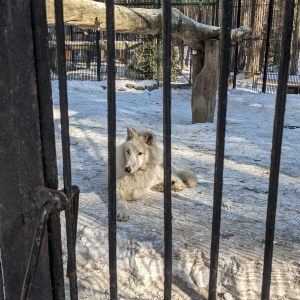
[(140, 241)]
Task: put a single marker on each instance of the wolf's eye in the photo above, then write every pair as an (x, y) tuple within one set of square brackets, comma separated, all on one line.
[(140, 153), (128, 152)]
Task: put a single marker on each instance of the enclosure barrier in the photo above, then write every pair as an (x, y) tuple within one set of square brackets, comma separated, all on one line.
[(86, 49), (227, 6), (53, 201)]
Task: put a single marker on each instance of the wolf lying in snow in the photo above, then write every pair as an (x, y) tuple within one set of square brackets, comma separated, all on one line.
[(139, 168)]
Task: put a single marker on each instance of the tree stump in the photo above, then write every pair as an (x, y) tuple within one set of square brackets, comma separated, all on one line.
[(205, 82)]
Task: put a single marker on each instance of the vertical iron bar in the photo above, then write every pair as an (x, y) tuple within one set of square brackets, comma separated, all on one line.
[(38, 10), (220, 144), (75, 194), (276, 145), (111, 124), (56, 257), (2, 286), (158, 55), (98, 54), (236, 54), (218, 13), (63, 97), (166, 36), (270, 19), (35, 250), (72, 39)]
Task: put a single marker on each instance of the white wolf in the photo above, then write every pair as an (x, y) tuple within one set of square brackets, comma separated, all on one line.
[(139, 168)]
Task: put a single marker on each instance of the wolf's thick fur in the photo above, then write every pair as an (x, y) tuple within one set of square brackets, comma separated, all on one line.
[(139, 168)]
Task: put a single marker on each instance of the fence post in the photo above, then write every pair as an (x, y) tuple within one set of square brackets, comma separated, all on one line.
[(21, 167), (44, 92)]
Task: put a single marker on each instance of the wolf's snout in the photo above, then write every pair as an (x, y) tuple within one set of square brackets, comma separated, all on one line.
[(128, 169)]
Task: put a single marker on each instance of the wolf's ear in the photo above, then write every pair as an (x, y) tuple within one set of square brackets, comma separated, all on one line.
[(150, 138), (131, 133)]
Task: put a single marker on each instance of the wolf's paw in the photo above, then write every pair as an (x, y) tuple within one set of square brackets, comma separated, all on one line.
[(159, 187), (122, 212), (191, 183), (122, 216), (177, 186)]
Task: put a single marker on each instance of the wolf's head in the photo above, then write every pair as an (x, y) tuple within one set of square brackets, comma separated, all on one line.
[(139, 149)]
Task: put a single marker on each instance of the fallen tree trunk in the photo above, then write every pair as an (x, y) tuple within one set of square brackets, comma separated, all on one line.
[(88, 14)]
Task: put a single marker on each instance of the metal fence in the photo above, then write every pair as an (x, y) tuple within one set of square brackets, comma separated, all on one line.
[(139, 56), (136, 56), (227, 8), (283, 70), (259, 58)]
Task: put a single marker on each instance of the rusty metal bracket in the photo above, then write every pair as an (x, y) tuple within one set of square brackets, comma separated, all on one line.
[(47, 201)]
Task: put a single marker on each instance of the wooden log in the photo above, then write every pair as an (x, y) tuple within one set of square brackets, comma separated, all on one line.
[(88, 14)]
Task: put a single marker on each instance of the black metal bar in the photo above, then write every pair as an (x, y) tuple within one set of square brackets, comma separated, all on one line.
[(270, 19), (276, 145), (72, 39), (56, 257), (111, 124), (2, 287), (39, 26), (75, 203), (166, 36), (35, 251), (98, 54), (63, 97), (227, 6), (47, 201), (217, 13), (236, 54), (75, 197), (158, 55)]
